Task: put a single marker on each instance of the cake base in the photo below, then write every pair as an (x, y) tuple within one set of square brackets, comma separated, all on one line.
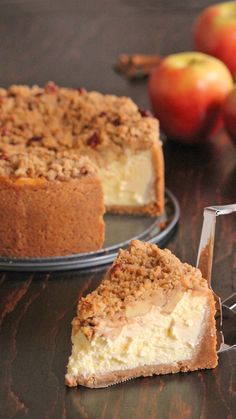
[(39, 218)]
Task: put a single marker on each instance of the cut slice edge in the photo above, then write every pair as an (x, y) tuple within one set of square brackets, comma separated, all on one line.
[(170, 330)]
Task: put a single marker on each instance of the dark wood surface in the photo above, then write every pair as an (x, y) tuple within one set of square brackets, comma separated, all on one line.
[(76, 43)]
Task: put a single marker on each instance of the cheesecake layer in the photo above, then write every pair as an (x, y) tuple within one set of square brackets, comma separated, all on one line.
[(154, 338), (122, 183)]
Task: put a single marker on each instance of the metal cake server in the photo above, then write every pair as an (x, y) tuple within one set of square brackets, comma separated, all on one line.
[(229, 322), (226, 329)]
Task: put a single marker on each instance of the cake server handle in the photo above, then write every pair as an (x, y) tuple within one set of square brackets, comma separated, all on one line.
[(229, 315), (230, 302), (205, 256)]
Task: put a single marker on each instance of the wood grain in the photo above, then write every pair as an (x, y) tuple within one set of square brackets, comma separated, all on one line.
[(76, 43)]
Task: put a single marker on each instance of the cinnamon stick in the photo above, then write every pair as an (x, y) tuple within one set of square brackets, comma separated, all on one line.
[(137, 65)]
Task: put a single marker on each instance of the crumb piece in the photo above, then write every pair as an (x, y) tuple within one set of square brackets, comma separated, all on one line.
[(44, 164)]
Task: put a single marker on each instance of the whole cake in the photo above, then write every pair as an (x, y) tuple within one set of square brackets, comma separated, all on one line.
[(151, 314), (39, 124)]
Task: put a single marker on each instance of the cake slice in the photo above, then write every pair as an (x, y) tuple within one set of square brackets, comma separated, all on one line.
[(122, 140), (51, 205), (151, 314)]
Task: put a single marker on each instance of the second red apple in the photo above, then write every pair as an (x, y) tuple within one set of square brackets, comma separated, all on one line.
[(187, 91), (215, 33)]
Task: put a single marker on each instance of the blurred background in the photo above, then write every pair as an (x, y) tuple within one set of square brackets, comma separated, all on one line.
[(77, 42)]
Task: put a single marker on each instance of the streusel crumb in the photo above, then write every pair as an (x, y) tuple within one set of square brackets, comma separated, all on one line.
[(61, 118), (137, 272), (47, 165)]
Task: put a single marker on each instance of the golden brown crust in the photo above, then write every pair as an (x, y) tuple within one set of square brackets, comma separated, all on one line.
[(137, 274), (158, 160), (51, 218), (205, 358)]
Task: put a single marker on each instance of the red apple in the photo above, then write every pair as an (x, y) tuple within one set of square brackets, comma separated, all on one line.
[(229, 115), (215, 33), (187, 91)]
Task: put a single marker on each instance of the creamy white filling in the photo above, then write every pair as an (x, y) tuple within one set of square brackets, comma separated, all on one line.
[(129, 180), (154, 338)]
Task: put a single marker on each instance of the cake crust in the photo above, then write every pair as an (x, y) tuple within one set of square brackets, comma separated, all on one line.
[(51, 218)]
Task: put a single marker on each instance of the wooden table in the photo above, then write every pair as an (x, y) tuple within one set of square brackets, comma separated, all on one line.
[(76, 43)]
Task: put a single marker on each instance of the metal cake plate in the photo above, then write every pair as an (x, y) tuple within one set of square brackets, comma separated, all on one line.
[(120, 229)]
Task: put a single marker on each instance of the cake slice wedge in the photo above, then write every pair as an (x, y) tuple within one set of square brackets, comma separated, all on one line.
[(151, 314)]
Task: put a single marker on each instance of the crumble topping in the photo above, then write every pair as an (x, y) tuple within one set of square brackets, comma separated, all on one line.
[(37, 123), (45, 164), (59, 118), (136, 273)]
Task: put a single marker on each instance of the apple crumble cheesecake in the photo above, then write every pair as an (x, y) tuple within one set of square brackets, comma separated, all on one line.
[(47, 132), (150, 315)]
